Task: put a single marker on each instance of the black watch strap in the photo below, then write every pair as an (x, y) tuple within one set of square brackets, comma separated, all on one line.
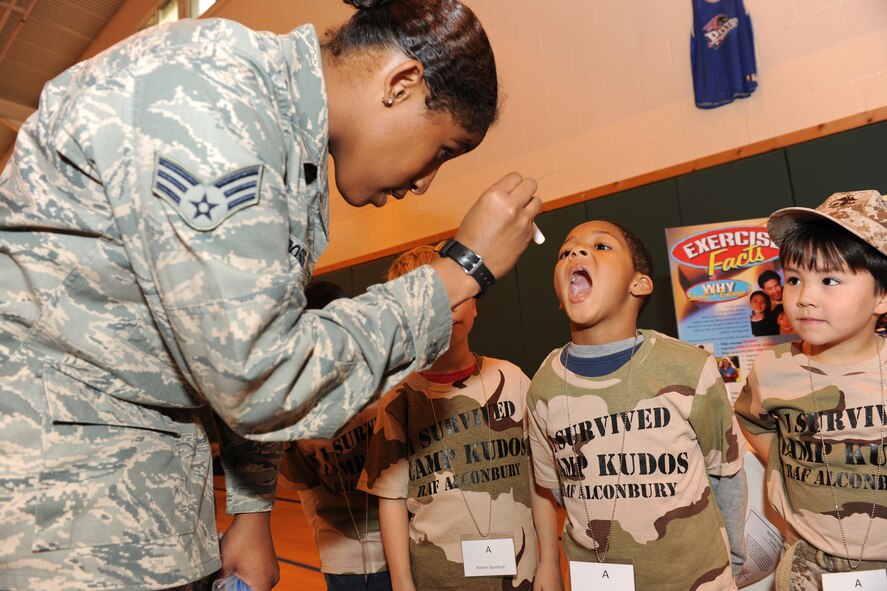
[(471, 262)]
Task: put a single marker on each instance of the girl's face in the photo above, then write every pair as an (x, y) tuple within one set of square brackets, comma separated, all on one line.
[(758, 304), (398, 151)]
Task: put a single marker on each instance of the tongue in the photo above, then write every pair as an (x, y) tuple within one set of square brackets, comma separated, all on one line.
[(579, 284)]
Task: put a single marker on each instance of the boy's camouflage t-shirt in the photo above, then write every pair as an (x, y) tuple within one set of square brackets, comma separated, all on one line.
[(453, 469), (678, 428), (777, 399), (326, 473)]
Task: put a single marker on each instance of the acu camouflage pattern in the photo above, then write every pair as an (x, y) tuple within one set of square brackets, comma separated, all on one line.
[(864, 213), (802, 566), (118, 318), (326, 473), (777, 399), (680, 429), (431, 463)]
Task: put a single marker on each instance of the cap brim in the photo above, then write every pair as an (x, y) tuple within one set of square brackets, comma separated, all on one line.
[(783, 221)]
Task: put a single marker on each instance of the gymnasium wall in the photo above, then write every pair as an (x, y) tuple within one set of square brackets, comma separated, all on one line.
[(599, 91), (519, 320)]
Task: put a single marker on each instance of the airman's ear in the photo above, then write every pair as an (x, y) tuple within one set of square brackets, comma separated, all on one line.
[(402, 79)]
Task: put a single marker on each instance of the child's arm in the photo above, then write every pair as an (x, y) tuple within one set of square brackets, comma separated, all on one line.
[(761, 443), (548, 574), (394, 520), (731, 493), (720, 439), (757, 426), (544, 481)]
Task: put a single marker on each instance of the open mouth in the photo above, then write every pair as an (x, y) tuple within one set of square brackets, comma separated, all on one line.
[(580, 283)]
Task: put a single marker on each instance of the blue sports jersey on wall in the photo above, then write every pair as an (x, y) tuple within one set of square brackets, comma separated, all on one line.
[(722, 53)]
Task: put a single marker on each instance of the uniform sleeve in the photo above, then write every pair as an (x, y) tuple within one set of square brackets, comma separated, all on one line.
[(544, 467), (386, 469), (223, 275), (299, 467), (750, 411), (250, 472), (712, 418)]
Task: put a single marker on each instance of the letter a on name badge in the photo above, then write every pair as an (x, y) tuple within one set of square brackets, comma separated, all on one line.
[(601, 576), (490, 556), (867, 580)]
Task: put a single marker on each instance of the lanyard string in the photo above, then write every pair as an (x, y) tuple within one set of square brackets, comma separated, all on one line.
[(602, 557), (366, 512), (853, 564), (489, 445)]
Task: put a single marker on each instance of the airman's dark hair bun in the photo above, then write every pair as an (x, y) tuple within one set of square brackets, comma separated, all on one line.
[(362, 4), (449, 41)]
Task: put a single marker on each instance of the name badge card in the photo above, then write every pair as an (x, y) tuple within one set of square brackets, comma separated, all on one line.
[(601, 576), (867, 580), (492, 556)]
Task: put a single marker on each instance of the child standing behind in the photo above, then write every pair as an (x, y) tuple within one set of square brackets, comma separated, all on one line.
[(344, 520), (630, 425), (449, 461), (814, 409)]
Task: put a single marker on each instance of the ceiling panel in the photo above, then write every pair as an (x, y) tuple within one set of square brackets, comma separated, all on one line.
[(54, 36)]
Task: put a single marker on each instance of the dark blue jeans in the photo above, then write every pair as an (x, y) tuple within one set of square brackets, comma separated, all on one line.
[(374, 582)]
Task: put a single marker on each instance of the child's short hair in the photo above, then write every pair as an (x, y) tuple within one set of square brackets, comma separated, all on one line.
[(412, 259), (847, 232), (320, 292), (641, 258), (823, 245)]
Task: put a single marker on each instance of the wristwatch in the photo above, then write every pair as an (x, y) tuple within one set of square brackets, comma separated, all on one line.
[(471, 262)]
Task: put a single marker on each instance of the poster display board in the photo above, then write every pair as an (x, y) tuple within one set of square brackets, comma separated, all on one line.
[(727, 286)]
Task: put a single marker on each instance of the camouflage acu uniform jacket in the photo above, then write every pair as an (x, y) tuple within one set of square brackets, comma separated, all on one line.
[(159, 218), (848, 418)]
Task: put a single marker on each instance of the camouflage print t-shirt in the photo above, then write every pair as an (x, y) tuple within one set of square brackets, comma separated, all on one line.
[(326, 472), (649, 457), (433, 447), (846, 430)]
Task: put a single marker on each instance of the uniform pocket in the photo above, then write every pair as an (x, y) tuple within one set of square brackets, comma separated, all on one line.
[(111, 471)]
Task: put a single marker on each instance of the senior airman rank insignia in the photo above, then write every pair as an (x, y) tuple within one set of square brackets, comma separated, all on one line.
[(205, 206)]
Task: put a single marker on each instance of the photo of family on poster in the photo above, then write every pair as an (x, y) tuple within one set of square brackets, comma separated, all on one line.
[(767, 315)]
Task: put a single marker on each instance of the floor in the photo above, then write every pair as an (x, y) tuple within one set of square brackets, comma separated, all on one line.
[(293, 540)]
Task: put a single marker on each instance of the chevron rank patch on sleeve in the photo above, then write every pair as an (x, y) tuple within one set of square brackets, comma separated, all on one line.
[(205, 206)]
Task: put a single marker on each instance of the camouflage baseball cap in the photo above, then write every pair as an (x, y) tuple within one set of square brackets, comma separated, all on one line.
[(863, 213)]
